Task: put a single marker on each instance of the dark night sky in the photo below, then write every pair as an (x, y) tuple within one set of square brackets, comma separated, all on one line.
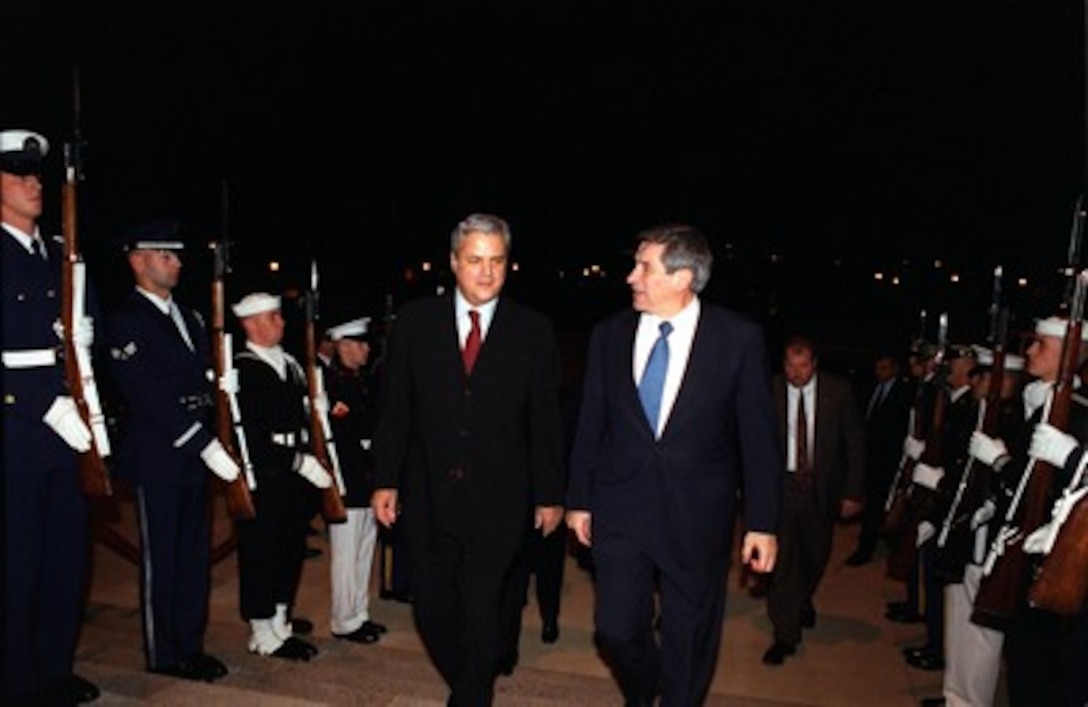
[(866, 130)]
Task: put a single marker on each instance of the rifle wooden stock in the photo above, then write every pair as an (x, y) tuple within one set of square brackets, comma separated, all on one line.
[(1061, 584), (239, 499), (332, 504), (1003, 590), (94, 478)]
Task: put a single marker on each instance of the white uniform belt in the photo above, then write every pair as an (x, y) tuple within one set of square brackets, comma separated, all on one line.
[(284, 439), (30, 358)]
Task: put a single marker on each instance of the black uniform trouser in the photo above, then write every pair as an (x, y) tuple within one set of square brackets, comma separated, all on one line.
[(46, 546), (175, 571), (272, 546)]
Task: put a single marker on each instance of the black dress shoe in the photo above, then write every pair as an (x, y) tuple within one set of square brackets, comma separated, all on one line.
[(401, 595), (507, 663), (898, 606), (374, 627), (903, 616), (808, 616), (932, 702), (302, 627), (359, 635), (211, 666), (778, 652), (917, 650), (183, 670), (926, 661), (859, 558), (295, 649), (312, 552), (72, 689), (549, 632)]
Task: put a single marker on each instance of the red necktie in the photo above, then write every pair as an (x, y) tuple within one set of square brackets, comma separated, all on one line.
[(472, 342)]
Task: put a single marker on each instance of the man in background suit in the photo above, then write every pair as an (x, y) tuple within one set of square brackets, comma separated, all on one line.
[(825, 454), (886, 419), (469, 446), (654, 492)]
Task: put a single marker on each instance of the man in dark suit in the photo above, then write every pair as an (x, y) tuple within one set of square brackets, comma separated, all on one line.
[(45, 512), (886, 418), (469, 446), (654, 486), (161, 363), (824, 442)]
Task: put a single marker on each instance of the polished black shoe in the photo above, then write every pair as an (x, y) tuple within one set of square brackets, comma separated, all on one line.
[(312, 552), (507, 663), (302, 627), (778, 652), (211, 666), (73, 689), (401, 595), (808, 616), (933, 702), (859, 558), (925, 661), (898, 606), (359, 635), (917, 650), (549, 632), (184, 670), (374, 627), (295, 649)]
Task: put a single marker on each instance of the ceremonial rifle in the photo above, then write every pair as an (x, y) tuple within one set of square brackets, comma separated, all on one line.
[(1007, 569), (228, 414), (955, 541), (94, 477), (895, 503), (324, 447), (918, 501)]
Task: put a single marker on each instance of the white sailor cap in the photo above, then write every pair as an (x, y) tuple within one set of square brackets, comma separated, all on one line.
[(256, 303), (356, 329), (1056, 326), (985, 359), (22, 151)]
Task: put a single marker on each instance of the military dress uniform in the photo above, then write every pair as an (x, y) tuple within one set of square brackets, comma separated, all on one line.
[(45, 529), (272, 400), (162, 368)]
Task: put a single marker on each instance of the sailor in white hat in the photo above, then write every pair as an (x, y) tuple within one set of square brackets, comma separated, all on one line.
[(45, 518), (272, 399)]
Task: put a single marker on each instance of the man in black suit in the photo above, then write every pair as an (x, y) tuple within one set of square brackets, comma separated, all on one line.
[(886, 418), (656, 468), (824, 442), (162, 366), (469, 449)]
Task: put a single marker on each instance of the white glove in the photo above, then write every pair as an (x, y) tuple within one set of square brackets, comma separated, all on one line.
[(63, 417), (228, 382), (913, 447), (219, 461), (983, 515), (927, 476), (1051, 445), (82, 331), (926, 530), (312, 471), (321, 404), (986, 449)]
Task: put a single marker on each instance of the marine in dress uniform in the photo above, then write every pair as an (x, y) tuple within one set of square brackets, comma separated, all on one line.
[(352, 543), (162, 368), (272, 399), (45, 512)]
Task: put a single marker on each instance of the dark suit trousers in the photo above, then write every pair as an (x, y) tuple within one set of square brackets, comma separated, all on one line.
[(175, 534), (543, 559), (692, 604), (46, 571), (457, 586), (804, 547)]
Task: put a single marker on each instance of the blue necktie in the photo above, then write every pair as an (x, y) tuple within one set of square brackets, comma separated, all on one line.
[(653, 377)]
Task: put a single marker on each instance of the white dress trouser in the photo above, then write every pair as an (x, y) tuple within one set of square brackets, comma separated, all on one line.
[(351, 546), (972, 653)]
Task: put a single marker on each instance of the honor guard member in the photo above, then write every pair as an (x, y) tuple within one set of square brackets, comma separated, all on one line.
[(162, 368), (352, 544), (272, 397), (45, 518)]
